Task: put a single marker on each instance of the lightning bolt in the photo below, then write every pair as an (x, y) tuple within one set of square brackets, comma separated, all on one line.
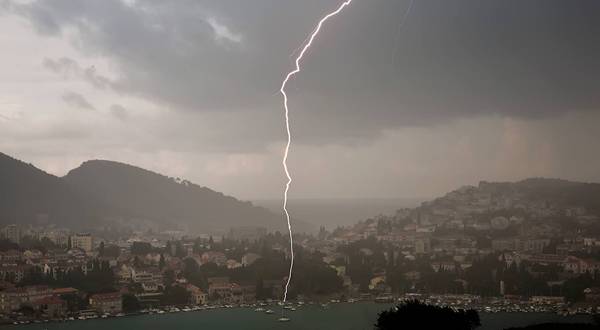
[(307, 45)]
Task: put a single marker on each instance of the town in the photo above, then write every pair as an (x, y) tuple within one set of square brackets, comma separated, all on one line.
[(492, 247)]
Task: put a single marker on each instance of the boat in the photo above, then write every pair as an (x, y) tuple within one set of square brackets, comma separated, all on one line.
[(269, 311), (259, 309), (283, 319)]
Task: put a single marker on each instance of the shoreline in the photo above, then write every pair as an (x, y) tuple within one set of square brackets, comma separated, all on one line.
[(291, 307)]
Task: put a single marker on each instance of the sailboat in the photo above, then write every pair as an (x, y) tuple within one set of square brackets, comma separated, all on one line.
[(283, 318)]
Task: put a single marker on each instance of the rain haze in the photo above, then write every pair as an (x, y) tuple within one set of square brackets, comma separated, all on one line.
[(300, 164), (462, 91)]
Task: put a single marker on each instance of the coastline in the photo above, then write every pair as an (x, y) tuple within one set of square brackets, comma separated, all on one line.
[(257, 316)]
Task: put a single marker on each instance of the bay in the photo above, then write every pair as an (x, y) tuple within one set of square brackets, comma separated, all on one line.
[(343, 316)]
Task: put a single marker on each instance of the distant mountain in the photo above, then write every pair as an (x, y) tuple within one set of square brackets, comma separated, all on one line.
[(28, 194), (562, 193), (100, 190), (138, 193), (539, 197)]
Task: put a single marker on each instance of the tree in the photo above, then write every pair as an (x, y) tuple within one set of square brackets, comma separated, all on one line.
[(6, 245), (179, 251), (141, 248), (416, 315), (130, 303), (169, 277), (161, 262), (175, 295), (74, 302), (192, 272), (112, 251)]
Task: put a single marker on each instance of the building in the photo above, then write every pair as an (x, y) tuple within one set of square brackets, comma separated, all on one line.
[(12, 233), (216, 257), (249, 258), (506, 244), (11, 257), (147, 276), (58, 237), (219, 288), (51, 306), (107, 303), (13, 273), (82, 241), (446, 266), (535, 245), (13, 299), (248, 233), (197, 296), (422, 246), (550, 300)]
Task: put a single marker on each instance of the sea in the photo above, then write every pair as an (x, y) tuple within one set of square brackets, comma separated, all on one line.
[(343, 316)]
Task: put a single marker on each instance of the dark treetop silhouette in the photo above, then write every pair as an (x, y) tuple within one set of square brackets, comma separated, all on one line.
[(416, 315)]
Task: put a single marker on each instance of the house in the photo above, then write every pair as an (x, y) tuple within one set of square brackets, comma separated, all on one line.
[(107, 303), (581, 266), (550, 300), (83, 241), (375, 281), (233, 264), (592, 295), (13, 299), (571, 264), (149, 276), (220, 292), (249, 258), (218, 258), (13, 273), (123, 273), (448, 266), (197, 296), (51, 306)]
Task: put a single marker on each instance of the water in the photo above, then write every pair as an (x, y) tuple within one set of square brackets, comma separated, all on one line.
[(334, 212), (358, 316)]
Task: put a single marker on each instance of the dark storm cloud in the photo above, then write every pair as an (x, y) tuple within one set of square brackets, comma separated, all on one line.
[(455, 59)]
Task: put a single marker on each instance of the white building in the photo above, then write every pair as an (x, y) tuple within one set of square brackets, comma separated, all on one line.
[(82, 241), (12, 233)]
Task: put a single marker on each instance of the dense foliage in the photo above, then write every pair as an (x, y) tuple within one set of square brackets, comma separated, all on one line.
[(417, 315)]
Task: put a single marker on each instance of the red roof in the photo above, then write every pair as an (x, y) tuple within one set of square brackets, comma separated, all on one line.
[(60, 291), (106, 296)]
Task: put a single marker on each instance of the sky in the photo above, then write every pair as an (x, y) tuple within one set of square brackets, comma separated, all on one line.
[(457, 92)]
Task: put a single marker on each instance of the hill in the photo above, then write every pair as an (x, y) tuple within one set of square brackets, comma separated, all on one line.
[(135, 192), (538, 195), (29, 194), (101, 190)]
